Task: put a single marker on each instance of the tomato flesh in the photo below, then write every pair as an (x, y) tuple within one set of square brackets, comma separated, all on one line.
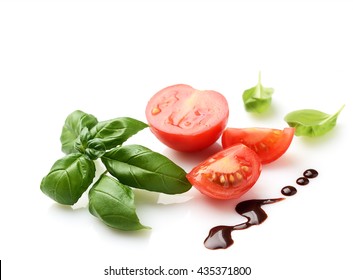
[(228, 174), (187, 119), (268, 143)]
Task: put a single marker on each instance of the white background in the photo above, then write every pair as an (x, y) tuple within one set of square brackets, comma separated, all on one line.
[(108, 58)]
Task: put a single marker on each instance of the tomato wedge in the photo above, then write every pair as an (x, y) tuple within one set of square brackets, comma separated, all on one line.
[(268, 143), (228, 174), (187, 119)]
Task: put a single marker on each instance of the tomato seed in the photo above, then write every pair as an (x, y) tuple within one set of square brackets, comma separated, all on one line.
[(222, 179), (156, 111), (231, 178), (245, 168), (239, 176), (263, 146)]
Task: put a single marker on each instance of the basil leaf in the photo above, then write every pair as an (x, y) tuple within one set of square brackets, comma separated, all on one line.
[(311, 123), (113, 203), (68, 178), (257, 99), (81, 142), (95, 149), (74, 124), (92, 148), (139, 167), (116, 131)]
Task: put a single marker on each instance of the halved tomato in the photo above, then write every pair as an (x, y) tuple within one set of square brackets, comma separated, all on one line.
[(187, 119), (228, 174), (268, 143)]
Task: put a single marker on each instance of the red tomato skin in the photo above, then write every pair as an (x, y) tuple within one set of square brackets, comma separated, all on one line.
[(235, 157), (254, 138), (180, 138)]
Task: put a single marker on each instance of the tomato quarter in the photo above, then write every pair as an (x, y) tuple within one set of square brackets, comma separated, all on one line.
[(187, 119), (268, 143), (228, 174)]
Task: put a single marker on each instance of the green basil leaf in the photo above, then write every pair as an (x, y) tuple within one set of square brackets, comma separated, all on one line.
[(257, 99), (68, 178), (92, 148), (113, 203), (81, 142), (139, 167), (116, 131), (311, 123), (95, 149), (74, 124)]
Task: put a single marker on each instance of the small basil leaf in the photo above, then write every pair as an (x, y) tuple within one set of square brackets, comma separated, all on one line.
[(68, 178), (74, 124), (116, 131), (113, 203), (139, 167), (311, 123), (81, 142), (257, 99), (92, 148), (95, 149)]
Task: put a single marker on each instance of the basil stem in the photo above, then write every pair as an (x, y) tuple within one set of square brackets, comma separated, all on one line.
[(74, 124), (139, 167), (257, 99), (68, 178), (113, 203), (312, 123)]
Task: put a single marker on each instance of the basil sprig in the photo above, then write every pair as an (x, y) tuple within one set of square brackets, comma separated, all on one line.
[(312, 123), (84, 139), (258, 98)]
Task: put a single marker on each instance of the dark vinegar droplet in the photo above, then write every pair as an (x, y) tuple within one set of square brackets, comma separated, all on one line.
[(289, 190), (310, 173), (302, 181)]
